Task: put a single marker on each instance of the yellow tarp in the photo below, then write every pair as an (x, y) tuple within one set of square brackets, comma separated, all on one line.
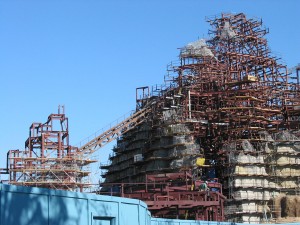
[(200, 161)]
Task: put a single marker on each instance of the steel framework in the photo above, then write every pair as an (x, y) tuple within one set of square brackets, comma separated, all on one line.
[(227, 100), (229, 96), (48, 160), (174, 195)]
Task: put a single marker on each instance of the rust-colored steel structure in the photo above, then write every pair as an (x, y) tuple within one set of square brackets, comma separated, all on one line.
[(229, 101), (111, 134), (174, 195), (48, 159), (229, 112)]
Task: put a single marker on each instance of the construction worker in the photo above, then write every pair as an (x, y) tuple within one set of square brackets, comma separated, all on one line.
[(203, 186)]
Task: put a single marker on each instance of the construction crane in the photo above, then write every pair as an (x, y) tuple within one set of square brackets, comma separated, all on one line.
[(113, 133)]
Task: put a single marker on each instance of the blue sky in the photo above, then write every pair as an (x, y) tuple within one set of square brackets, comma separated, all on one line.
[(91, 55)]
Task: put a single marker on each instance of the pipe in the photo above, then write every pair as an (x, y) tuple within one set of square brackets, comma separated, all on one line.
[(7, 162), (190, 106)]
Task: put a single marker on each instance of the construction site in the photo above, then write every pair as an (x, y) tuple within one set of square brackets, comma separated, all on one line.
[(218, 141)]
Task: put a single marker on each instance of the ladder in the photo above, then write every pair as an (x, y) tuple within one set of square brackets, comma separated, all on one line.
[(111, 134)]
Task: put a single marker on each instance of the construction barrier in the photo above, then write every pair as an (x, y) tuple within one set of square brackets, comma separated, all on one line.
[(39, 206)]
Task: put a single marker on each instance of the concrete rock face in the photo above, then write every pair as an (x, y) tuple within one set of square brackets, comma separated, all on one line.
[(228, 101)]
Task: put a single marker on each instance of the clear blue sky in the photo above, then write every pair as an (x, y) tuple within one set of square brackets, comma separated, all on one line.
[(91, 55)]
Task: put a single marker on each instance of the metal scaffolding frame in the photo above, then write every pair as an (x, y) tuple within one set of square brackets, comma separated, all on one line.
[(226, 92), (48, 159), (227, 100)]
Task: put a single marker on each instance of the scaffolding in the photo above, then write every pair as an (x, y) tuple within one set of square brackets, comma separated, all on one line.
[(174, 195), (227, 100), (48, 160), (228, 111)]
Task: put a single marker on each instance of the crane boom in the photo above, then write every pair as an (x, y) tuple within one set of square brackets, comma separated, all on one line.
[(112, 133)]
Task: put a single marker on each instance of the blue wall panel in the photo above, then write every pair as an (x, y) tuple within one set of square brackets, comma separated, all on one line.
[(104, 208), (24, 208), (143, 215), (129, 214), (37, 206), (68, 211)]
